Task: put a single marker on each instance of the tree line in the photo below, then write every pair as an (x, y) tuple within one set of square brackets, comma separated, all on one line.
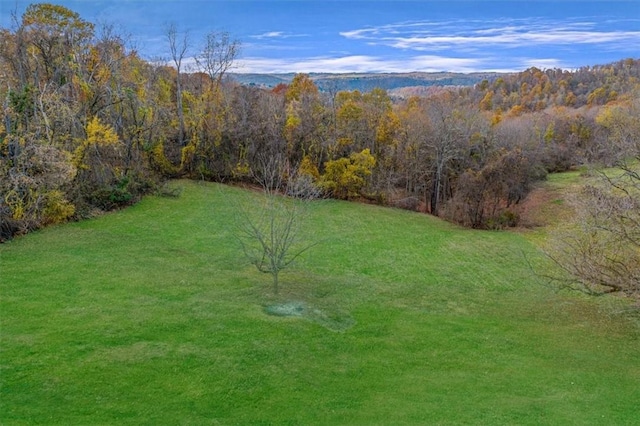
[(90, 126)]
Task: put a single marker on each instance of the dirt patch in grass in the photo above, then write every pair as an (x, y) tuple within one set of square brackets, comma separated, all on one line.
[(332, 320), (544, 206), (288, 309)]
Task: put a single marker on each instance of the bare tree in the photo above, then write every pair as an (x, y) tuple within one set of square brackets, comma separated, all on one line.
[(601, 252), (446, 130), (270, 232), (218, 54), (178, 46)]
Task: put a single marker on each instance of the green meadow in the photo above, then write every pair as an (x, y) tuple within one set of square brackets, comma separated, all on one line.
[(151, 315)]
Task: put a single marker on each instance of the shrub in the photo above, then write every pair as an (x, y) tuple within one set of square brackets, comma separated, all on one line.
[(112, 197), (58, 208)]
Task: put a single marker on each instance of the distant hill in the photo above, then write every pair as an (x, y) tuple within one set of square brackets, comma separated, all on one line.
[(367, 81)]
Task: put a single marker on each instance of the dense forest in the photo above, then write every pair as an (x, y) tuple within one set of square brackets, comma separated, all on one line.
[(89, 126)]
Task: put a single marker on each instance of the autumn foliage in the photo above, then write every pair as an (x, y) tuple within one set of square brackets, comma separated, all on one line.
[(88, 125)]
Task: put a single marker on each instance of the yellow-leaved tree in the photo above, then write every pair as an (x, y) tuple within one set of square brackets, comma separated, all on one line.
[(346, 177), (101, 166)]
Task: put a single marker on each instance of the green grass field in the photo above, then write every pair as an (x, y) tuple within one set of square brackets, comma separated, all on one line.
[(151, 316)]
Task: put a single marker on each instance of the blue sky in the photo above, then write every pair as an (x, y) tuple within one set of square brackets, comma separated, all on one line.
[(382, 36)]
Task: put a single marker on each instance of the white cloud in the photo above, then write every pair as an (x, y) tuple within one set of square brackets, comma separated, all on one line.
[(270, 34), (541, 63), (276, 35), (357, 63), (436, 36), (373, 64)]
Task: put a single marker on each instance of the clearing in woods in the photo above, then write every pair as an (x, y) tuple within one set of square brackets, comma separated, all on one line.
[(151, 315)]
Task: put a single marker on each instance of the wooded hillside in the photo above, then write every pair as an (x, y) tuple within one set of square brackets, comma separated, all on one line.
[(89, 126)]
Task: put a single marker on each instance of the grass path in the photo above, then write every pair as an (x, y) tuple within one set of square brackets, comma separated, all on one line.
[(149, 316)]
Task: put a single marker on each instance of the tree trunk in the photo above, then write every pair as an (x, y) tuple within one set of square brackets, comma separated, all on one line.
[(181, 130), (435, 192), (275, 281)]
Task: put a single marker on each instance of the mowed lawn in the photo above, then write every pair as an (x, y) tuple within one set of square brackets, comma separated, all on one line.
[(151, 316)]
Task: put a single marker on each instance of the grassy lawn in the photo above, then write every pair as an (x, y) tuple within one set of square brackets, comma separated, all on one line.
[(151, 316)]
